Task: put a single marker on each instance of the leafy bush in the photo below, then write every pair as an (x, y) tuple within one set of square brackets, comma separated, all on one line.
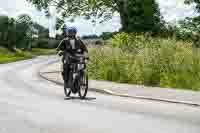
[(53, 43), (46, 43), (108, 35), (20, 53), (90, 37), (43, 43), (98, 42)]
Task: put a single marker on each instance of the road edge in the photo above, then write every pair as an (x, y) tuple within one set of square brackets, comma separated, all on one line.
[(109, 92)]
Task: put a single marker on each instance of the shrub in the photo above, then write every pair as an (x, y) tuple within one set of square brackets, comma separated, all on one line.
[(19, 53), (43, 43), (46, 43)]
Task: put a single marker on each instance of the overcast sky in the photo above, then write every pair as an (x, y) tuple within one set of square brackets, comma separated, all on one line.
[(172, 10)]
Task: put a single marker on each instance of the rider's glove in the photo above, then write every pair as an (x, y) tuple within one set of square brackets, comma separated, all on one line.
[(86, 56), (60, 53), (86, 60)]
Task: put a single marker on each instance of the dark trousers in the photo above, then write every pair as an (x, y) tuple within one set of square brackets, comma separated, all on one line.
[(65, 72)]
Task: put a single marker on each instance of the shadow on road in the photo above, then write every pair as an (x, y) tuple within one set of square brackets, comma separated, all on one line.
[(78, 98)]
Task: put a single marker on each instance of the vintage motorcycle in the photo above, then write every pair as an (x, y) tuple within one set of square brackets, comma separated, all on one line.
[(77, 78)]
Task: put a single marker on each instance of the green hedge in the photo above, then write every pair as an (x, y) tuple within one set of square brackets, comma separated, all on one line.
[(45, 43)]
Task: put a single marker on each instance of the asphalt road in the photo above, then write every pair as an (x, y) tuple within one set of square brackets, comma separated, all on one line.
[(29, 104)]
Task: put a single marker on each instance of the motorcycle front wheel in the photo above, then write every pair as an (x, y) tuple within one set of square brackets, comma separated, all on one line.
[(83, 84)]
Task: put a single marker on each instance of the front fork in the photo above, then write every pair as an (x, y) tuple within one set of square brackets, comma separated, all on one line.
[(73, 80), (74, 77)]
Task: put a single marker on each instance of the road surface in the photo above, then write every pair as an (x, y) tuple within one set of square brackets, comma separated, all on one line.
[(29, 104)]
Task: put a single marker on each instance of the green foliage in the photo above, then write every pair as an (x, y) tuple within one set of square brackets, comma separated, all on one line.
[(197, 2), (88, 8), (40, 51), (59, 23), (136, 15), (4, 23), (191, 26), (14, 32), (20, 53), (7, 56), (140, 16), (140, 59), (90, 36), (46, 43), (42, 43), (189, 29), (134, 41), (19, 33), (107, 35), (7, 28), (42, 31), (53, 43)]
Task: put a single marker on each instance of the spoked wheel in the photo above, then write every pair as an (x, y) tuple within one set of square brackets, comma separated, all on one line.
[(67, 90), (83, 85)]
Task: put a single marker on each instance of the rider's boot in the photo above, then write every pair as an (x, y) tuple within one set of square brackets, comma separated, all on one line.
[(63, 76)]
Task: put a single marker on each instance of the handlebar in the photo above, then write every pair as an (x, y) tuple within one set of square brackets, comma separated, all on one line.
[(79, 56)]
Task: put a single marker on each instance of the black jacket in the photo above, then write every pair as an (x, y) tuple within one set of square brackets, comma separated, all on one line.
[(65, 46)]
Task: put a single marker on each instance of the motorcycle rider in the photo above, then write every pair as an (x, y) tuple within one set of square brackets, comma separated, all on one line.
[(69, 46)]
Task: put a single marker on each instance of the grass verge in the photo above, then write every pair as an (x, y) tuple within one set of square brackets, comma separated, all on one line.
[(7, 56), (39, 51)]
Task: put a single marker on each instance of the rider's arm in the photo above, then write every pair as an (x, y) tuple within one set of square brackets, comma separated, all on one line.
[(83, 46), (61, 46)]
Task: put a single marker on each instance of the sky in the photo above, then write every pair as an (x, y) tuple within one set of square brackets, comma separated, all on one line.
[(172, 10)]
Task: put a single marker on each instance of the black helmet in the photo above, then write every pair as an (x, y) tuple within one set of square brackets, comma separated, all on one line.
[(71, 31)]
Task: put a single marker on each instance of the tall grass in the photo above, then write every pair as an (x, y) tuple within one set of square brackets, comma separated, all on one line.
[(137, 59)]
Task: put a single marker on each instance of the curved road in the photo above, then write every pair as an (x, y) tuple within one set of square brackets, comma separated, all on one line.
[(29, 104)]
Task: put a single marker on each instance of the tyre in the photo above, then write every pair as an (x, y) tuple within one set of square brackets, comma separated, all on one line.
[(83, 85), (67, 90), (76, 86)]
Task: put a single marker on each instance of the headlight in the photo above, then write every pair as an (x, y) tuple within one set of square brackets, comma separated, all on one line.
[(79, 50)]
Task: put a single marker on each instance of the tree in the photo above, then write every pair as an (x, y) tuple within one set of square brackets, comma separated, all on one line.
[(144, 15), (8, 32), (197, 2), (193, 24), (136, 15), (195, 21), (59, 23), (3, 27), (43, 32), (24, 26), (107, 35), (12, 33)]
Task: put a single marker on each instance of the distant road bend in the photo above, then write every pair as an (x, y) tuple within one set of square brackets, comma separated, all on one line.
[(29, 104)]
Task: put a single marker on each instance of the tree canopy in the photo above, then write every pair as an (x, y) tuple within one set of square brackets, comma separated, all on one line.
[(197, 2), (192, 24), (136, 15), (18, 32)]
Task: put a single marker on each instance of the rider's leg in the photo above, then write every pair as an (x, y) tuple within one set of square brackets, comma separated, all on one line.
[(66, 71), (63, 68)]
